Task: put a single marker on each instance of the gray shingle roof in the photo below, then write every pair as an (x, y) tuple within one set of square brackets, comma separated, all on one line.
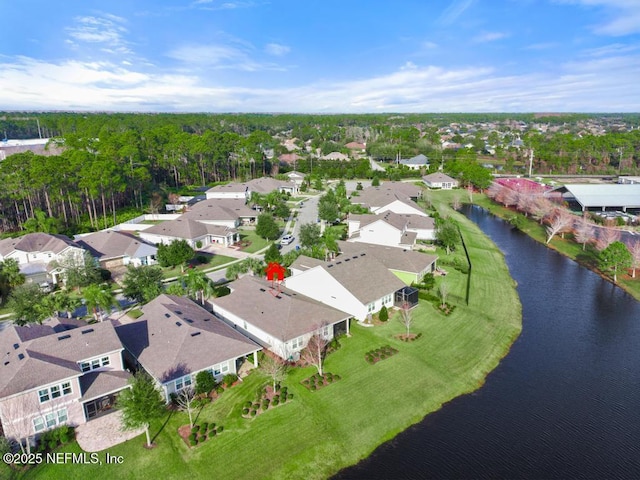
[(36, 242), (417, 160), (41, 354), (281, 312), (438, 177), (113, 244), (220, 210), (393, 258), (176, 336), (97, 384), (618, 195)]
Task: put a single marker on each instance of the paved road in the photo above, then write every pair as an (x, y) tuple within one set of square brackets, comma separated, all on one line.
[(308, 213)]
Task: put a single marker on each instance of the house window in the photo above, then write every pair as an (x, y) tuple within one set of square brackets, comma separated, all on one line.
[(371, 307), (44, 395), (325, 331), (50, 420), (296, 343), (183, 382), (54, 391), (224, 368), (95, 364), (38, 424)]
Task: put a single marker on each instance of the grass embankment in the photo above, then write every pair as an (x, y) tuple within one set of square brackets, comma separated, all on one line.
[(252, 240), (565, 246), (317, 433)]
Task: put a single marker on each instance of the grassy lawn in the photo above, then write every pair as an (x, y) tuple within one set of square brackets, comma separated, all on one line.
[(317, 433), (213, 261), (253, 241)]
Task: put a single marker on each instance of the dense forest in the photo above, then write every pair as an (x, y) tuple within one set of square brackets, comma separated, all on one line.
[(111, 163)]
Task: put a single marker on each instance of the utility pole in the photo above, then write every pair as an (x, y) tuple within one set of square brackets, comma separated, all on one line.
[(530, 161)]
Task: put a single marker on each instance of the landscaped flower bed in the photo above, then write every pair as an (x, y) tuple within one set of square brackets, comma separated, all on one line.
[(267, 398), (317, 381), (382, 353), (408, 337), (192, 436)]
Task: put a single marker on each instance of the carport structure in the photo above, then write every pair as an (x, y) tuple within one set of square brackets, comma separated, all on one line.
[(603, 197)]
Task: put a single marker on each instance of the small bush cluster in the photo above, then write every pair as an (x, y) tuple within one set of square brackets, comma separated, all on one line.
[(53, 438), (410, 338), (374, 356), (317, 381), (447, 309), (266, 398), (229, 379), (203, 432)]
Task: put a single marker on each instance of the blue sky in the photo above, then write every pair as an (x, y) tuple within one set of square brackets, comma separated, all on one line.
[(324, 56)]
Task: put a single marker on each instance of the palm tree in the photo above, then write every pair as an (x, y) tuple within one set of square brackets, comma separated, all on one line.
[(198, 284), (98, 299)]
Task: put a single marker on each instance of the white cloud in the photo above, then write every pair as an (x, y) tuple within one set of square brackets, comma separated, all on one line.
[(592, 84), (490, 37), (106, 29), (219, 56), (455, 9), (623, 16), (276, 49)]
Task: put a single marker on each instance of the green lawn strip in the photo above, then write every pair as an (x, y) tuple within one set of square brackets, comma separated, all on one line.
[(256, 242), (317, 433), (214, 261)]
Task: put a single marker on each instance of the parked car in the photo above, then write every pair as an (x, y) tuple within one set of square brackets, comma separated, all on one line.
[(286, 240)]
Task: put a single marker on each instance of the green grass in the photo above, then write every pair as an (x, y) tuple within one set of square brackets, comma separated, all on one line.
[(318, 433), (255, 242), (213, 261)]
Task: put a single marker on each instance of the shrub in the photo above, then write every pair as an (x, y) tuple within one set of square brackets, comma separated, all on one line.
[(256, 406), (275, 402), (248, 404), (212, 426), (384, 314), (205, 426), (253, 413), (229, 379), (193, 442), (219, 389), (212, 433), (192, 437), (290, 396), (195, 429), (220, 429), (245, 411), (205, 382)]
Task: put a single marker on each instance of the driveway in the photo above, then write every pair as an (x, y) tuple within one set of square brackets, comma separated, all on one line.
[(308, 213), (104, 432)]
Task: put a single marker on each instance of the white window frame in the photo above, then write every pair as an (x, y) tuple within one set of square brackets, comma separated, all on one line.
[(183, 382), (50, 420), (94, 364), (54, 391)]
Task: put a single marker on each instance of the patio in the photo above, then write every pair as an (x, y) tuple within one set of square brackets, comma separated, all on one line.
[(104, 432)]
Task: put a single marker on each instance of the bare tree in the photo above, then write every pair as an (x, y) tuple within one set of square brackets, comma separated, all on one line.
[(315, 351), (584, 232), (185, 400), (634, 248), (541, 208), (443, 289), (456, 203), (524, 200), (559, 223), (405, 317), (274, 368), (510, 197), (470, 192), (606, 236)]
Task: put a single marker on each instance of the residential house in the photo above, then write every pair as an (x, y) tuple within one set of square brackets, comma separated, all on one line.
[(295, 177), (197, 234), (226, 213), (277, 317), (243, 191), (440, 180), (409, 266), (175, 338), (335, 156), (289, 158), (357, 146), (265, 185), (116, 249), (415, 163), (396, 193), (40, 255), (233, 191), (61, 372), (358, 284), (390, 228)]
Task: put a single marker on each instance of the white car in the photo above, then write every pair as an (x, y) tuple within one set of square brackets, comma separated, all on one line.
[(286, 240)]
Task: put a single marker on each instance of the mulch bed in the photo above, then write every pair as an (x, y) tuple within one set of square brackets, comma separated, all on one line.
[(410, 337), (199, 433), (379, 354), (268, 399), (317, 381)]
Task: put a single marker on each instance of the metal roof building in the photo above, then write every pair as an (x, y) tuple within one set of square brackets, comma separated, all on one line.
[(613, 197)]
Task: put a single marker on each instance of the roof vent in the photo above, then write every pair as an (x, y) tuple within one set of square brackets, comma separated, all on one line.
[(347, 259), (16, 346), (178, 312), (354, 257), (362, 254), (64, 337), (167, 315), (6, 363), (329, 266), (21, 356), (178, 324), (338, 263), (88, 330), (188, 320), (195, 334), (262, 290)]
